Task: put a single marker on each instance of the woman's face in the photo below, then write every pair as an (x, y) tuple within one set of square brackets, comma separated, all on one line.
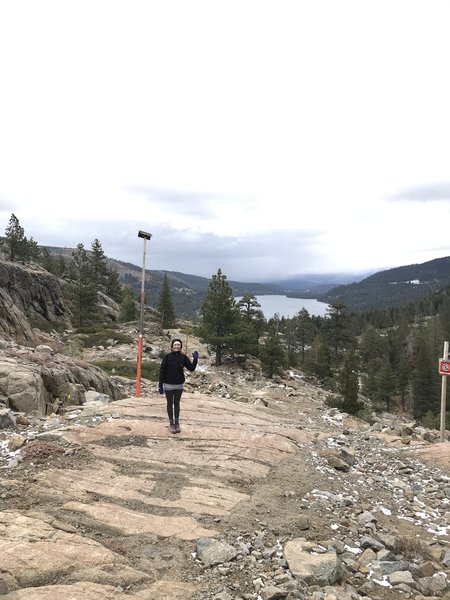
[(176, 347)]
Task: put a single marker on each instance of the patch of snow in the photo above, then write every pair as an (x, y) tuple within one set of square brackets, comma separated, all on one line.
[(383, 582), (352, 550), (422, 515), (439, 530), (385, 511)]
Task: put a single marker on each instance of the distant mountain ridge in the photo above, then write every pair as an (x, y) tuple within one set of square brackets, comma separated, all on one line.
[(187, 290), (394, 286), (389, 287)]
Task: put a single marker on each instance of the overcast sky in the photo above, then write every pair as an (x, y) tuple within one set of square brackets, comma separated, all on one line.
[(267, 138)]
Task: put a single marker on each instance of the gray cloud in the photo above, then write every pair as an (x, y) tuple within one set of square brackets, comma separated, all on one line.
[(427, 193), (200, 204), (256, 257), (246, 258)]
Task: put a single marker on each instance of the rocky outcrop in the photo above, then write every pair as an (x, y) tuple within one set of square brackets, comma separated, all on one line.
[(28, 293), (13, 323), (108, 307), (43, 381)]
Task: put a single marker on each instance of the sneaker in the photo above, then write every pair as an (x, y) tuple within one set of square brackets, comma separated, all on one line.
[(177, 428)]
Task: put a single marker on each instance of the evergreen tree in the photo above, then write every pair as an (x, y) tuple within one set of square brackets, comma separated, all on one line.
[(62, 265), (52, 263), (273, 357), (113, 286), (252, 324), (128, 306), (348, 384), (305, 331), (99, 264), (246, 340), (290, 342), (82, 290), (165, 305), (369, 381), (15, 240), (17, 246), (336, 329), (387, 385), (318, 360), (424, 386), (220, 316), (372, 346), (403, 378), (32, 249), (48, 261), (250, 308)]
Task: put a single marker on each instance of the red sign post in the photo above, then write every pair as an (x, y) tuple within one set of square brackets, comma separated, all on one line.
[(444, 367)]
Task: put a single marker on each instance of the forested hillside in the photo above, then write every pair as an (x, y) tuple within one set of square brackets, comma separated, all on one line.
[(393, 286)]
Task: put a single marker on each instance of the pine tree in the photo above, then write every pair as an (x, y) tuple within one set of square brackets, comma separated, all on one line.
[(15, 240), (250, 308), (246, 340), (424, 386), (61, 266), (348, 384), (48, 261), (369, 381), (220, 316), (403, 378), (305, 331), (82, 290), (387, 385), (318, 361), (290, 342), (252, 323), (273, 357), (113, 286), (32, 250), (372, 346), (99, 264), (165, 305), (18, 247), (128, 306), (336, 329)]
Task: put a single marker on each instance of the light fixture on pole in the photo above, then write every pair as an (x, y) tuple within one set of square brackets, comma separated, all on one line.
[(145, 236)]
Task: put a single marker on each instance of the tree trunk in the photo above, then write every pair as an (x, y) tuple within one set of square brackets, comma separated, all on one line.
[(218, 356)]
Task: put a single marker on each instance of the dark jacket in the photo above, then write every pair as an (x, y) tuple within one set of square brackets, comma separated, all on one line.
[(171, 370)]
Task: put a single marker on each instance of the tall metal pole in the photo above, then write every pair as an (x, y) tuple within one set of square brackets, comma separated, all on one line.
[(146, 236), (443, 395)]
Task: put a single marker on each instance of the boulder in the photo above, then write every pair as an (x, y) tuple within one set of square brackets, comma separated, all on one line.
[(314, 569), (44, 388)]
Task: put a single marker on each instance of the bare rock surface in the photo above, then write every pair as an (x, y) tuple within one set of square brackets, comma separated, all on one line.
[(266, 493)]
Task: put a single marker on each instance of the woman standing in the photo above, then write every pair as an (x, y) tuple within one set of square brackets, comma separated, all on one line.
[(171, 380)]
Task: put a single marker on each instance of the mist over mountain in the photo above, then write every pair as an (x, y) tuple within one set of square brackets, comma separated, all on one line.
[(314, 280)]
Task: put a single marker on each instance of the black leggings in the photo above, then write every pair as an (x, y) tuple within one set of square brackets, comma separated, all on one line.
[(173, 401)]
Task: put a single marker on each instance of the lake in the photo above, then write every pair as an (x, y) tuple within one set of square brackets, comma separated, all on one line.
[(289, 307)]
